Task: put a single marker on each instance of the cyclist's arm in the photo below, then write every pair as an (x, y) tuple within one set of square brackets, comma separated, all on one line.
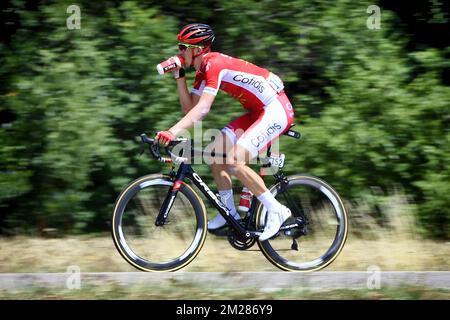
[(187, 99), (197, 113)]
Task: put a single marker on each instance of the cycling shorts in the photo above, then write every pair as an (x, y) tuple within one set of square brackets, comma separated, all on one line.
[(256, 130)]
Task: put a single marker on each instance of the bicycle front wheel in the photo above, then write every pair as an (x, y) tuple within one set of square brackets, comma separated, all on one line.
[(322, 225), (158, 248)]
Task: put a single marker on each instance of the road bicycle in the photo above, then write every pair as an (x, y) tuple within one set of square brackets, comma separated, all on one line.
[(159, 222)]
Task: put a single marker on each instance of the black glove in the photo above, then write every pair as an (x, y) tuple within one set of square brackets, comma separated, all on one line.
[(179, 73)]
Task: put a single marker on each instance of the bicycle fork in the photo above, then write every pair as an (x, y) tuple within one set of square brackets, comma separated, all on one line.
[(169, 200)]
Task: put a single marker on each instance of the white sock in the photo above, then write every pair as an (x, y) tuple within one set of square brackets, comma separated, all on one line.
[(227, 198), (269, 201)]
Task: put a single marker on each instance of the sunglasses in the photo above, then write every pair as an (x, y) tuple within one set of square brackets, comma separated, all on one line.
[(183, 47)]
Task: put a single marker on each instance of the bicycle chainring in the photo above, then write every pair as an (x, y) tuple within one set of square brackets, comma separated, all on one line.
[(239, 243)]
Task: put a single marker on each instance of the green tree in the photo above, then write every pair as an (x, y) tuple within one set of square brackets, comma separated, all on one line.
[(372, 107)]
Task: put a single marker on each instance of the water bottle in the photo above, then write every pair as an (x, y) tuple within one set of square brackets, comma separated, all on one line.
[(246, 200), (171, 64)]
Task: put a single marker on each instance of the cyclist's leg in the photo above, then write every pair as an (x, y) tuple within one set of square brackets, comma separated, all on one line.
[(276, 212), (222, 145), (273, 121), (276, 119)]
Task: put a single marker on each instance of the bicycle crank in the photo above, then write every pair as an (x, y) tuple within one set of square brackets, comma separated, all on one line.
[(240, 243)]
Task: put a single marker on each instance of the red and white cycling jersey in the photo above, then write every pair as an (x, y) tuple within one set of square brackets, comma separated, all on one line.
[(257, 89), (253, 86)]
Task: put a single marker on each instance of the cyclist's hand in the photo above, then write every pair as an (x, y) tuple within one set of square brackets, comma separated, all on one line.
[(164, 137), (179, 73)]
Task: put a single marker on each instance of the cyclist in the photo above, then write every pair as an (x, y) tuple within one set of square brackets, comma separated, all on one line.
[(269, 114)]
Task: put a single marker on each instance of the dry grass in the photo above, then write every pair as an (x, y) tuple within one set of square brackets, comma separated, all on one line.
[(395, 247), (98, 254), (183, 291)]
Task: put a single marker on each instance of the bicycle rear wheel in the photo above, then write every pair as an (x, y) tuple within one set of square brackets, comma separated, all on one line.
[(158, 248), (322, 230)]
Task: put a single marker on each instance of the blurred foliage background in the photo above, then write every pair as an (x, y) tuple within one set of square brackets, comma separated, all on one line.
[(372, 105)]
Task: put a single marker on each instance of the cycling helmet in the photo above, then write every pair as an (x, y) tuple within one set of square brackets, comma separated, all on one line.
[(199, 34)]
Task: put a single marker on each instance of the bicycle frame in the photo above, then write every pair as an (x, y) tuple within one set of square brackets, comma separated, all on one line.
[(186, 171)]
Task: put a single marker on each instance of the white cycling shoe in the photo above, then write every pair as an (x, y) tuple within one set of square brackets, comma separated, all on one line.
[(274, 222), (219, 221)]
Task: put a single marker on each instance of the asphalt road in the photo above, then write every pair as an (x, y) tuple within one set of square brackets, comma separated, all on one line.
[(234, 280)]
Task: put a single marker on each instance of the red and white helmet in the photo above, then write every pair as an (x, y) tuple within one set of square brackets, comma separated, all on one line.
[(198, 34)]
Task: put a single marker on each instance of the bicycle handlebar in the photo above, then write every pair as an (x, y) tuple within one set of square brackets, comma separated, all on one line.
[(155, 149)]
